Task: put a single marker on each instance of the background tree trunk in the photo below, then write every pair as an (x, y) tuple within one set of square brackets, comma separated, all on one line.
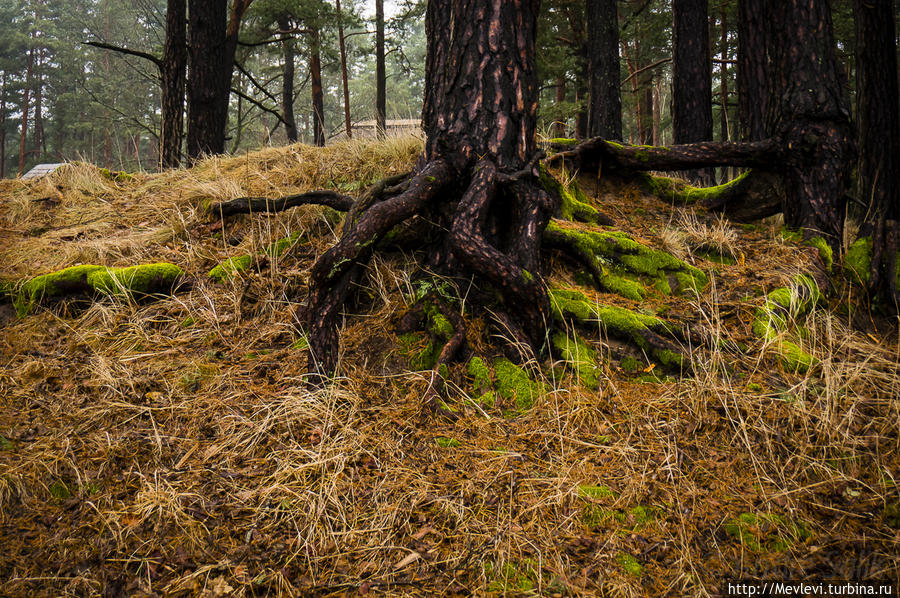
[(344, 82), (172, 75), (752, 69), (380, 78), (3, 126), (287, 79), (605, 115), (26, 100), (315, 78), (808, 113), (691, 78), (879, 139), (206, 29)]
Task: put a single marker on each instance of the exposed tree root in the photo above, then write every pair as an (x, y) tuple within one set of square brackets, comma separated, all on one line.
[(251, 205)]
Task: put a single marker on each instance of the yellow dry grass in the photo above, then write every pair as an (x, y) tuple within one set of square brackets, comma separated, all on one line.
[(173, 448)]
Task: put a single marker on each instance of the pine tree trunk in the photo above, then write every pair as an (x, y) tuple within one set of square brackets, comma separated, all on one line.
[(605, 113), (26, 100), (691, 78), (344, 82), (287, 80), (752, 69), (878, 170), (3, 126), (172, 74), (206, 31), (808, 113), (40, 144), (723, 73), (380, 78), (315, 77), (559, 126)]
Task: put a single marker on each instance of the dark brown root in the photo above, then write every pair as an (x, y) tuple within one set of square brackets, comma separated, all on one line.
[(249, 205), (383, 189)]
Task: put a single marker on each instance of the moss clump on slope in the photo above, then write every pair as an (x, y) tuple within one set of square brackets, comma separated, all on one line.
[(507, 381), (681, 192), (242, 263), (145, 279), (574, 205), (621, 265), (642, 330), (580, 357), (858, 262), (782, 306)]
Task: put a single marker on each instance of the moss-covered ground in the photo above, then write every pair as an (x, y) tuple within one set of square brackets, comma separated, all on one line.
[(172, 448)]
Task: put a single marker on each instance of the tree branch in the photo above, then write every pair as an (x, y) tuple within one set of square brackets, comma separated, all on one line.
[(258, 104), (104, 46)]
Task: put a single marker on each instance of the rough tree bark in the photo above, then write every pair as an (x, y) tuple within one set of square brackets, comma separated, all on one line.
[(477, 181), (752, 71), (605, 115), (380, 78), (287, 79), (879, 140), (26, 100), (808, 113), (172, 80), (691, 78)]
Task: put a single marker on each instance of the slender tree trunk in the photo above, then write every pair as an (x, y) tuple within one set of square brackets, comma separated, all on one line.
[(605, 113), (344, 82), (752, 69), (287, 80), (380, 78), (808, 113), (645, 113), (315, 77), (172, 75), (559, 126), (878, 171), (723, 73), (26, 100), (3, 126), (40, 144), (691, 78)]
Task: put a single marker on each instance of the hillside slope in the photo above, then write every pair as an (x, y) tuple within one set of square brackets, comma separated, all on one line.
[(169, 445)]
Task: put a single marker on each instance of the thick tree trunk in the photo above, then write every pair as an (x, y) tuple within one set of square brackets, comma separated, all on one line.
[(477, 181), (172, 75), (380, 78), (807, 112), (878, 171), (287, 80), (752, 69), (206, 30), (315, 78), (691, 77), (605, 115), (344, 82)]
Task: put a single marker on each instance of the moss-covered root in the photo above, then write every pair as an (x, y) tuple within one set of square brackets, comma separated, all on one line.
[(136, 281), (645, 332), (579, 356), (621, 265), (241, 263), (505, 382), (573, 205), (775, 316)]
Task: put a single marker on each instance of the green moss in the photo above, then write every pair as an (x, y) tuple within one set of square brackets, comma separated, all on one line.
[(858, 261), (615, 255), (188, 322), (563, 141), (440, 326), (782, 306), (629, 564), (230, 267), (445, 442), (579, 356), (595, 492), (60, 490), (511, 578), (826, 254), (6, 444), (754, 387), (794, 358), (573, 205), (631, 365), (528, 276), (480, 373), (766, 532), (134, 280), (117, 176), (514, 383), (276, 248), (681, 192), (422, 352)]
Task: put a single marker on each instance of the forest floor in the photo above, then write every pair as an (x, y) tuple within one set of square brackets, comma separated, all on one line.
[(171, 448)]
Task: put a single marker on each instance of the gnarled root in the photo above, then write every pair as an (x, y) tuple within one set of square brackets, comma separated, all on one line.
[(250, 205)]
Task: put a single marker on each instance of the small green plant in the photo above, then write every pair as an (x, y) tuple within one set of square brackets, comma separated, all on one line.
[(445, 442)]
